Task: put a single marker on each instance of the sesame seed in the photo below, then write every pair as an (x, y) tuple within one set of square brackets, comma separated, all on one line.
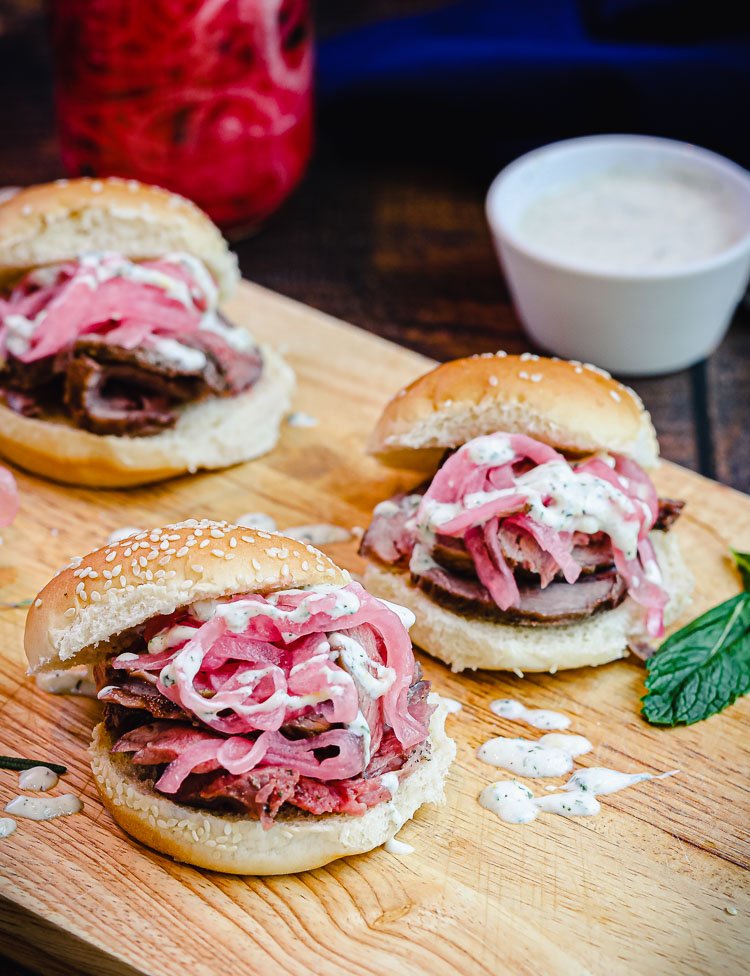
[(111, 556), (96, 596), (523, 375), (196, 568), (218, 553), (37, 603), (233, 543), (206, 542), (142, 561), (493, 381), (217, 534), (182, 552), (615, 395), (536, 377), (70, 612)]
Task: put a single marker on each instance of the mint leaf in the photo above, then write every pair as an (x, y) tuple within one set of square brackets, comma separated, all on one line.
[(702, 668), (742, 561)]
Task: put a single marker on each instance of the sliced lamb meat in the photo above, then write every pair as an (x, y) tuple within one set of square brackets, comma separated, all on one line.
[(386, 540), (670, 510), (25, 404), (236, 371), (558, 603), (111, 389), (351, 796), (135, 693), (260, 793), (104, 400)]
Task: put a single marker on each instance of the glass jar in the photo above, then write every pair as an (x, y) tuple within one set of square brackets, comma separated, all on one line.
[(209, 98)]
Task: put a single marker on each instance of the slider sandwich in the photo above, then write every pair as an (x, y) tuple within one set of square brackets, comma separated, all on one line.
[(116, 365), (263, 714), (538, 541)]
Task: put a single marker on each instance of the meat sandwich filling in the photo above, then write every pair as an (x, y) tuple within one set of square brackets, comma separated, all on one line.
[(304, 700), (509, 529), (118, 346)]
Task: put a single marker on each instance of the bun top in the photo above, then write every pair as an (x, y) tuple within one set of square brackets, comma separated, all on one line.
[(574, 407), (120, 586), (55, 222)]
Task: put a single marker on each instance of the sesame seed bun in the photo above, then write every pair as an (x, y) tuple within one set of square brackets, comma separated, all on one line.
[(573, 407), (117, 587), (236, 844), (55, 222), (79, 616), (211, 433)]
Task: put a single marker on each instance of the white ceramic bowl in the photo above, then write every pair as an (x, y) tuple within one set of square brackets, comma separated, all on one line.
[(633, 323)]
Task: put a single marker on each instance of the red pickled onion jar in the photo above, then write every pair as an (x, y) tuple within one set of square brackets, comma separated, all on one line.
[(209, 98)]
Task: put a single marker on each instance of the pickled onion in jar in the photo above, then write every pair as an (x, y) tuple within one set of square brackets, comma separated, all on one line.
[(209, 98)]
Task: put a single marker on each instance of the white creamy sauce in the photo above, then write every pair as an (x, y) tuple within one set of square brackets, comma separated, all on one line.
[(515, 803), (301, 419), (318, 534), (7, 826), (572, 745), (510, 801), (601, 782), (539, 718), (77, 680), (360, 728), (179, 355), (257, 520), (238, 339), (394, 846), (353, 657), (166, 639), (124, 533), (39, 778), (421, 561), (451, 705), (390, 782), (632, 220), (48, 808), (490, 450), (404, 614), (574, 804), (525, 757)]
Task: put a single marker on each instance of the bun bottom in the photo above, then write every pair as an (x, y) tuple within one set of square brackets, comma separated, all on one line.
[(471, 643), (236, 844), (213, 433)]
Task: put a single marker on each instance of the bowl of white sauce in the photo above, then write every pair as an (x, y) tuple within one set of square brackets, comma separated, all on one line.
[(631, 252)]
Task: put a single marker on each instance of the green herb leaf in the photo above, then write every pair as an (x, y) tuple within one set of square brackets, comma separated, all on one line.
[(702, 668), (742, 560), (13, 762)]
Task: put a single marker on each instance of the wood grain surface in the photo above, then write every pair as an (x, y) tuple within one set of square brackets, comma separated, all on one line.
[(389, 233), (642, 888)]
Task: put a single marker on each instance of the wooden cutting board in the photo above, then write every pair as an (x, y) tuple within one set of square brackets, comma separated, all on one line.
[(644, 887)]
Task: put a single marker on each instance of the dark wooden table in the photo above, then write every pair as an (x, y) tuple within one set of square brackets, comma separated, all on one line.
[(400, 247)]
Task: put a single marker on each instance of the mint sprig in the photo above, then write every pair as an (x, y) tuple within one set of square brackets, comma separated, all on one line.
[(704, 667)]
